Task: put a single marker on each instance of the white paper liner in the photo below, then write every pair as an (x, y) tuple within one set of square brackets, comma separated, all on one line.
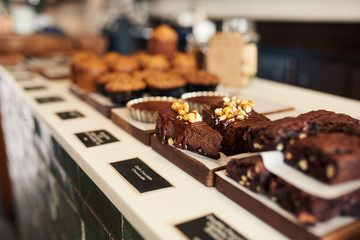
[(146, 115), (274, 163)]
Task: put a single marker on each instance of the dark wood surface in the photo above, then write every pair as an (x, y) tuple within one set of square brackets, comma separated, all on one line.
[(276, 220), (190, 165)]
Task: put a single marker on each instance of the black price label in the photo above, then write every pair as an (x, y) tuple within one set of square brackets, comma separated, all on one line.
[(209, 227), (70, 115), (49, 99), (96, 138), (34, 88), (140, 175)]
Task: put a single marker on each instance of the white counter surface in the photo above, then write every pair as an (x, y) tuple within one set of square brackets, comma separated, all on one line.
[(154, 214)]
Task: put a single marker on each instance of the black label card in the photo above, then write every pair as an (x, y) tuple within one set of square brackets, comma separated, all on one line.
[(140, 175), (209, 227), (96, 138), (34, 88), (70, 115), (49, 99)]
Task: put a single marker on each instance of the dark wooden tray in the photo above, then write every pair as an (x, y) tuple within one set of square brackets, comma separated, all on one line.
[(200, 167), (78, 92), (279, 218), (101, 103), (139, 130)]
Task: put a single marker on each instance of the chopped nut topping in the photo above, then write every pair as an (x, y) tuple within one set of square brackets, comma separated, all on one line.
[(288, 155), (249, 174), (257, 146), (171, 141), (234, 108), (280, 147), (184, 114), (302, 135), (244, 178)]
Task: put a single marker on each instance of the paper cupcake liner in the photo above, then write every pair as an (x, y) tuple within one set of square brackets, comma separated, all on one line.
[(144, 115)]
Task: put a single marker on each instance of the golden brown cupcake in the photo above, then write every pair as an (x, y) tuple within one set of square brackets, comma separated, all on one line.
[(165, 84), (201, 81), (123, 88), (163, 40), (125, 64), (106, 78), (110, 59), (75, 61), (89, 70), (156, 62), (183, 60), (141, 57)]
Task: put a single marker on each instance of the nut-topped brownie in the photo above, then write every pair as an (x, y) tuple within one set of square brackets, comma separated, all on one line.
[(328, 157), (309, 209), (184, 129), (232, 118)]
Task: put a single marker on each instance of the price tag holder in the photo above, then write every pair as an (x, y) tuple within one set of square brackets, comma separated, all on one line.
[(49, 99), (140, 175), (70, 115), (96, 138), (209, 227)]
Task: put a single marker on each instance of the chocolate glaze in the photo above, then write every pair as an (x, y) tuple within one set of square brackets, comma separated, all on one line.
[(167, 115)]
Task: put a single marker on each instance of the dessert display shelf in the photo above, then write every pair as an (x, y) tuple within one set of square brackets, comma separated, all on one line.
[(159, 199)]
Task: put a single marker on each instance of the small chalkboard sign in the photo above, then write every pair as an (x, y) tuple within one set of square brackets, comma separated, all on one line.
[(96, 138), (49, 99), (34, 88), (209, 227), (140, 175), (70, 115)]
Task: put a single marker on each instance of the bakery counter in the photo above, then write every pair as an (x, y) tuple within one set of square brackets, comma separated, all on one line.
[(78, 175)]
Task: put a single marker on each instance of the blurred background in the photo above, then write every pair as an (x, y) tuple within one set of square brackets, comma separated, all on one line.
[(306, 43)]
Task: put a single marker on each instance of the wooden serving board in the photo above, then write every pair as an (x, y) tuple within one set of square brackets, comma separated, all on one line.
[(200, 167), (140, 130), (101, 103), (282, 220), (78, 92)]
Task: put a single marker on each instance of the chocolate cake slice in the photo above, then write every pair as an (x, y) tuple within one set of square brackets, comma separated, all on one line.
[(192, 135), (323, 120), (274, 135), (329, 157), (233, 126)]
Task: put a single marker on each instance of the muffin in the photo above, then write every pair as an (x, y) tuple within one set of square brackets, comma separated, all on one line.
[(144, 109), (124, 88), (141, 57), (75, 61), (110, 59), (163, 40), (125, 64), (88, 71), (156, 62), (102, 80), (165, 84), (184, 61), (201, 81)]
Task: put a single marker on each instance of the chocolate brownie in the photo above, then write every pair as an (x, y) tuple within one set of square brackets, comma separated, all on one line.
[(232, 129), (251, 173), (328, 157), (195, 136), (274, 135), (323, 120)]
